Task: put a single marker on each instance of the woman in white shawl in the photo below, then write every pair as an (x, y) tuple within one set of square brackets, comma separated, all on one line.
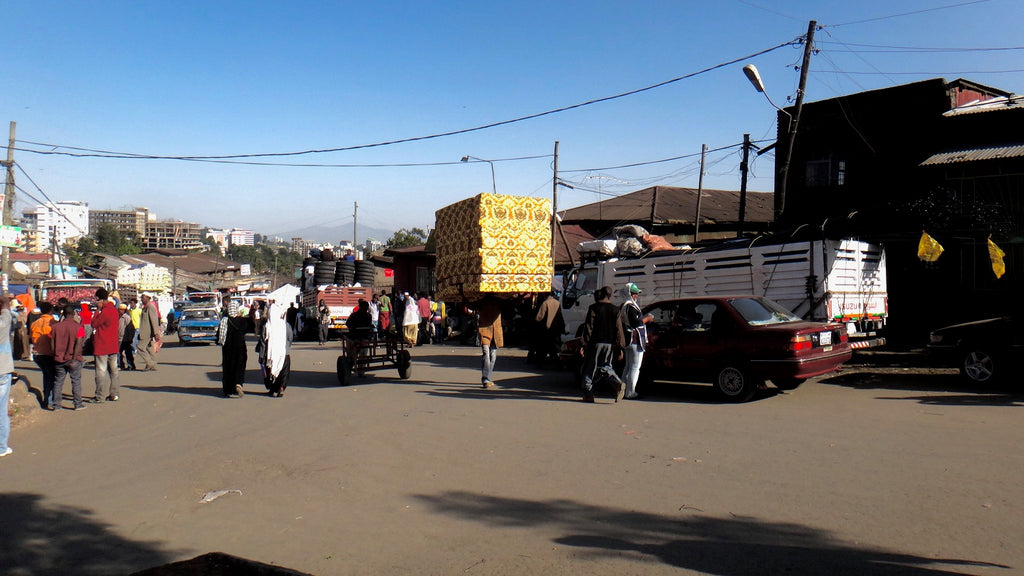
[(410, 320), (277, 343)]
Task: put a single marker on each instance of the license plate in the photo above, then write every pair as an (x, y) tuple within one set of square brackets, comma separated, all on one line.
[(825, 338)]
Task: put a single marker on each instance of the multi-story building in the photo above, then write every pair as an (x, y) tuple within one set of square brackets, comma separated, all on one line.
[(221, 237), (242, 237), (125, 221), (172, 234), (55, 223)]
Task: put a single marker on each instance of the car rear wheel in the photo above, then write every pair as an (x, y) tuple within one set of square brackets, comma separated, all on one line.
[(735, 383), (978, 366), (788, 383)]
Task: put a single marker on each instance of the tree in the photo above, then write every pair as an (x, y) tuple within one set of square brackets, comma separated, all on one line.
[(407, 237), (214, 246), (110, 240)]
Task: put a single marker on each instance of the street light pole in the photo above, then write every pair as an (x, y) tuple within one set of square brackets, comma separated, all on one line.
[(782, 171), (494, 186)]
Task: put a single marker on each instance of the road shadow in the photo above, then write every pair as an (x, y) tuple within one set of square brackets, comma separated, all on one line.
[(948, 389), (736, 545), (41, 539)]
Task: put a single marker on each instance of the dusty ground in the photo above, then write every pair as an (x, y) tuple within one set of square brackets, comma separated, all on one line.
[(894, 470)]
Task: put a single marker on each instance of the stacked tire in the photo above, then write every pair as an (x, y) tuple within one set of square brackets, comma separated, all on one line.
[(323, 273), (365, 273), (345, 273)]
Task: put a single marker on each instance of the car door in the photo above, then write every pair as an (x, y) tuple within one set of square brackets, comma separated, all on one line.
[(689, 343)]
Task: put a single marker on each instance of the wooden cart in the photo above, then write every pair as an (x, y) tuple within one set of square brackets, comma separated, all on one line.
[(381, 350)]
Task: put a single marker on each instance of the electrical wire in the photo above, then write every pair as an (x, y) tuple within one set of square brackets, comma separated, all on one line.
[(53, 205), (131, 155), (911, 13)]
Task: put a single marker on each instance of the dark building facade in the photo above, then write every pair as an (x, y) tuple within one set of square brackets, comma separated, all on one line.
[(940, 157)]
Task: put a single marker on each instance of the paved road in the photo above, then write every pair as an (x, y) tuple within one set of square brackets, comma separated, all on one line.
[(872, 471)]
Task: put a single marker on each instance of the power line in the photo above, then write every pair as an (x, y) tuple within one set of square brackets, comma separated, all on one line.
[(882, 48), (220, 158), (900, 15)]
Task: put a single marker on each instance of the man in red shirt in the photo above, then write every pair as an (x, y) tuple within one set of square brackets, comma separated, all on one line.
[(105, 348), (423, 304)]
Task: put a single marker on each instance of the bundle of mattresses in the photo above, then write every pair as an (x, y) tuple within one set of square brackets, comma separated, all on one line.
[(493, 244)]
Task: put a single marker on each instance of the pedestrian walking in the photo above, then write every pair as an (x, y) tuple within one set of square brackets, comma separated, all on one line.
[(410, 320), (106, 347), (149, 334), (126, 334), (67, 356), (603, 341), (234, 353), (323, 318), (634, 323), (491, 338), (42, 354), (550, 327), (385, 311), (6, 373)]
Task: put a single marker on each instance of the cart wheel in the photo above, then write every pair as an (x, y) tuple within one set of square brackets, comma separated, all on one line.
[(404, 364), (344, 371)]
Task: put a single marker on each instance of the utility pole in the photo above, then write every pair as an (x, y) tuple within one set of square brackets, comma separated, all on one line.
[(355, 212), (8, 203), (743, 184), (554, 203), (782, 174), (700, 192)]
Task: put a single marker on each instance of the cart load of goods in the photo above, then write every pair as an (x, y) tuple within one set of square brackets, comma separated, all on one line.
[(493, 244), (320, 269)]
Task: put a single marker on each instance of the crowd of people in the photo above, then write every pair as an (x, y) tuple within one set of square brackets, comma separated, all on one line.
[(128, 336)]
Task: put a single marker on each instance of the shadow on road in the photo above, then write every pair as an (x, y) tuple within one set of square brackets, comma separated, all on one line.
[(948, 388), (65, 540), (737, 545)]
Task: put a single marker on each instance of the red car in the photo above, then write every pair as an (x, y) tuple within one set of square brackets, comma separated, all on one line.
[(738, 342)]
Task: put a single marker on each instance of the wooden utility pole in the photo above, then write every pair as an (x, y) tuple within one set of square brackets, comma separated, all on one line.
[(782, 174), (355, 212), (700, 192), (8, 202), (743, 184), (554, 203)]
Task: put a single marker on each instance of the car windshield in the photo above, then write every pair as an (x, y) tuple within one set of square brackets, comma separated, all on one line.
[(200, 315), (761, 311)]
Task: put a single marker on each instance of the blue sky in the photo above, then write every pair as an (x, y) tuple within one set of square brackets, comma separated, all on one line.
[(200, 78)]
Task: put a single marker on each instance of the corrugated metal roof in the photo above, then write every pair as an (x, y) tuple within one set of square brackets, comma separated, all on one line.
[(666, 205), (991, 105), (975, 155)]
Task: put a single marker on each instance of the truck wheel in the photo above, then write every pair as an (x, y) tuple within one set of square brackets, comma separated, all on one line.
[(734, 382), (404, 364), (344, 371), (977, 365), (788, 383)]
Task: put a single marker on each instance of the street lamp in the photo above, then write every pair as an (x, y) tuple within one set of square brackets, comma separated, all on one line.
[(781, 171), (494, 186)]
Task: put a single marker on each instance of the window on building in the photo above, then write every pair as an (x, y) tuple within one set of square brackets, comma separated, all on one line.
[(826, 172), (424, 279)]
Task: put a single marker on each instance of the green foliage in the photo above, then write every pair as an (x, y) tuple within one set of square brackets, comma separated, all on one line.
[(110, 240), (407, 237), (214, 246), (266, 258)]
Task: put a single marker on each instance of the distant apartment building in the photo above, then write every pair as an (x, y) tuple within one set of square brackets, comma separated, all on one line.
[(221, 237), (303, 246), (55, 223), (125, 221), (242, 237), (162, 234)]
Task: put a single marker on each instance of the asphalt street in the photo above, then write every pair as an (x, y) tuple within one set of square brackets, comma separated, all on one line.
[(894, 470)]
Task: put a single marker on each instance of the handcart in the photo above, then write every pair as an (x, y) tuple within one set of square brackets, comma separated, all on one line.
[(372, 352)]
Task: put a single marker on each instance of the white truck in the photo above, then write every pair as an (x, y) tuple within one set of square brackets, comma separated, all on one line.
[(822, 280)]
